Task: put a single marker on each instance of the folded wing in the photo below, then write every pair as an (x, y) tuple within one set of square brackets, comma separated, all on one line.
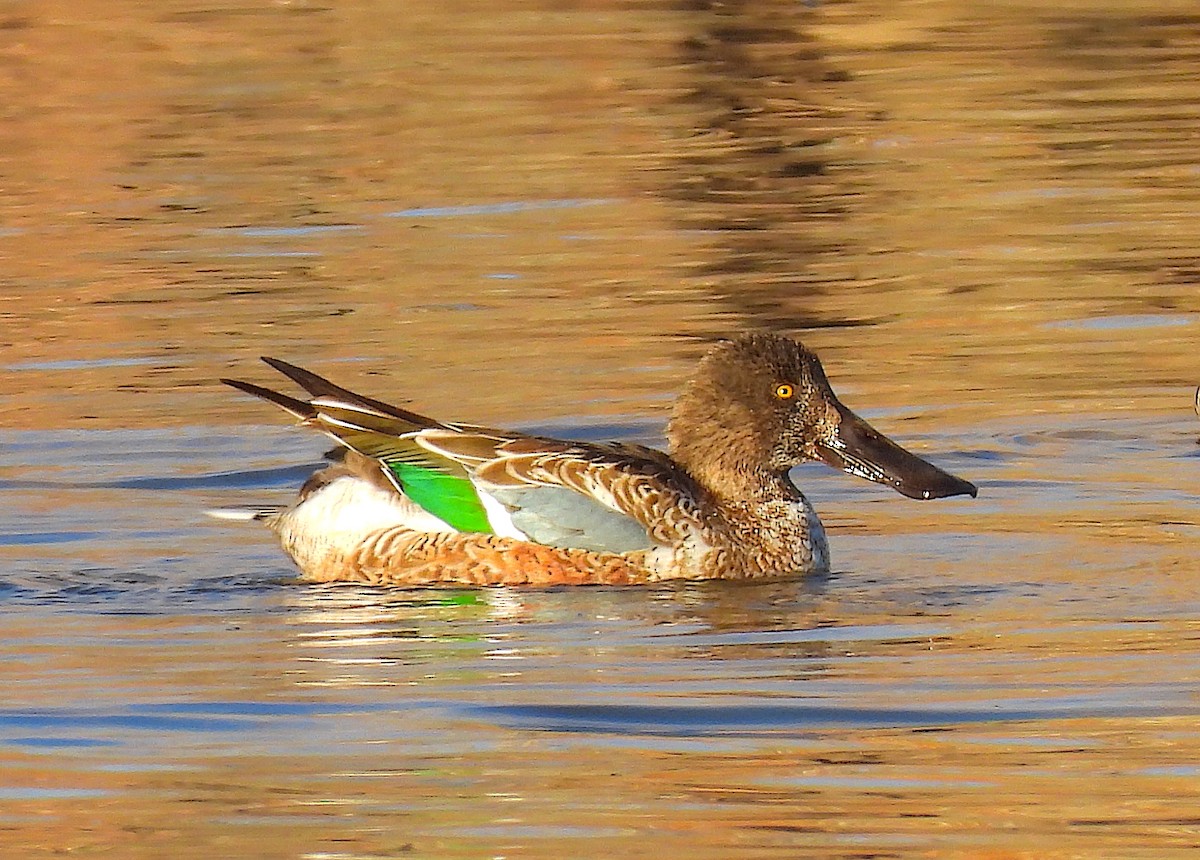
[(605, 497), (610, 497)]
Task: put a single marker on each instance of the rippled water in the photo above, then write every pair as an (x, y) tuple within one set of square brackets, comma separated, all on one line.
[(982, 216)]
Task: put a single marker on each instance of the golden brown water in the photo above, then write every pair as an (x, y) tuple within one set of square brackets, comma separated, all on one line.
[(983, 216)]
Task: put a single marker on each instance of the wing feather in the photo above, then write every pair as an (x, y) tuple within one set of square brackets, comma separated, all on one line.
[(438, 484), (637, 483), (613, 497)]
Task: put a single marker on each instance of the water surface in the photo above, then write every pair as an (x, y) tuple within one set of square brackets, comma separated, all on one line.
[(982, 217)]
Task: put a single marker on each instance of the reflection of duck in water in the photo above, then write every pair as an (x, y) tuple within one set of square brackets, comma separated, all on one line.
[(412, 500)]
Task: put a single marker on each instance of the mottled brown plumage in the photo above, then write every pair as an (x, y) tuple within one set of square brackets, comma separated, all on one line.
[(719, 505)]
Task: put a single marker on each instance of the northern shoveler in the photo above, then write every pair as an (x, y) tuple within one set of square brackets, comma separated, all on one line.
[(414, 501)]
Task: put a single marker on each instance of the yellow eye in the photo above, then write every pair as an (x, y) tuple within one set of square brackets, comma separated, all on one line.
[(784, 391)]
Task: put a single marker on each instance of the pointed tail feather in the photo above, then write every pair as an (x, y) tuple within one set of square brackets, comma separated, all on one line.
[(298, 408), (383, 433), (319, 386)]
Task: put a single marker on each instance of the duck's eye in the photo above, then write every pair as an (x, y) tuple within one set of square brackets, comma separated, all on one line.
[(785, 390)]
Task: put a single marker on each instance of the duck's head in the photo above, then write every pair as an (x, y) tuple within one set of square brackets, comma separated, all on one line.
[(761, 403)]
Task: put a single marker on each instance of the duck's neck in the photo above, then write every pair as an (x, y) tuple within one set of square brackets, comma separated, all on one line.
[(732, 485), (767, 526), (728, 464)]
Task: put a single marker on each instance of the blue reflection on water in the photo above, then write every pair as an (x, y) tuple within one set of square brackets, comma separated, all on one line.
[(506, 208), (1128, 321)]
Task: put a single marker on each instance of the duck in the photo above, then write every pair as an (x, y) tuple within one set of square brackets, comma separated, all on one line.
[(409, 500)]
